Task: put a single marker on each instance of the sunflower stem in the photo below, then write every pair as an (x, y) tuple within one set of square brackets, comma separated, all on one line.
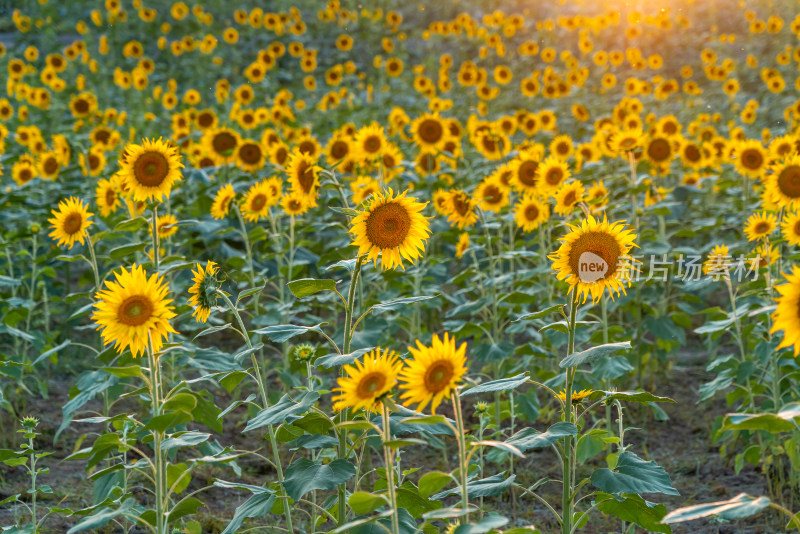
[(154, 225), (462, 455), (388, 456), (159, 476), (568, 467), (93, 262), (262, 389)]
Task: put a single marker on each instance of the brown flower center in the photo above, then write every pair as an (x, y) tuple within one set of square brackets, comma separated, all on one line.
[(150, 169), (570, 199), (554, 176), (752, 159), (223, 143), (250, 153), (72, 224), (388, 225), (339, 149), (438, 376), (493, 194), (789, 181), (258, 202), (527, 173), (81, 106), (135, 310), (659, 150), (431, 131), (531, 213), (50, 165), (599, 243), (370, 385), (761, 228), (205, 119), (692, 153), (372, 144), (307, 147)]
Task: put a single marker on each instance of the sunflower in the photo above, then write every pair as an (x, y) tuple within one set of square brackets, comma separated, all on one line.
[(434, 373), (107, 197), (551, 173), (523, 177), (303, 173), (149, 170), (759, 225), (49, 165), (462, 245), (369, 143), (658, 151), (393, 227), (250, 155), (592, 257), (751, 158), (339, 148), (461, 209), (166, 225), (367, 381), (429, 132), (530, 212), (786, 317), (568, 196), (577, 396), (440, 198), (23, 171), (258, 200), (718, 261), (221, 143), (790, 228), (294, 203), (363, 187), (627, 140), (222, 201), (597, 195), (764, 254), (562, 147), (783, 186), (492, 194), (134, 309), (203, 291), (70, 221)]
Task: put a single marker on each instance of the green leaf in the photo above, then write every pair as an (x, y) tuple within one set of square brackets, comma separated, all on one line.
[(345, 211), (485, 487), (125, 372), (102, 517), (304, 475), (563, 326), (257, 505), (48, 353), (589, 355), (211, 330), (249, 292), (633, 475), (284, 332), (490, 522), (504, 384), (187, 506), (398, 303), (739, 507), (130, 225), (185, 439), (178, 477), (236, 485), (530, 438), (363, 503), (541, 313), (309, 286), (433, 481), (126, 251), (783, 421), (634, 509), (330, 361), (635, 396), (285, 410)]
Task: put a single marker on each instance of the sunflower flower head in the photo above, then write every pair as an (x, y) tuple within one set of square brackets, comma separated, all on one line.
[(151, 169), (393, 227), (69, 222), (367, 381), (786, 316), (577, 396), (133, 310), (204, 291), (434, 372)]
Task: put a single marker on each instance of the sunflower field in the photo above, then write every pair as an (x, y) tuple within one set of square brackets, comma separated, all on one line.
[(464, 266)]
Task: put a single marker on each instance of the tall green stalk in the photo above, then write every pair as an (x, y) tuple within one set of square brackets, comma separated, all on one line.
[(388, 456), (462, 455), (568, 456)]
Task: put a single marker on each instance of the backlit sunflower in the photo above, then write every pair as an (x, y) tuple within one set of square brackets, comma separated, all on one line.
[(551, 173), (592, 257), (107, 197), (258, 200), (790, 228), (783, 186), (367, 381), (461, 209), (294, 203), (303, 173), (786, 316), (760, 225), (222, 201), (393, 227), (203, 291), (530, 212), (150, 170), (434, 372), (134, 309), (568, 196), (69, 222), (751, 158)]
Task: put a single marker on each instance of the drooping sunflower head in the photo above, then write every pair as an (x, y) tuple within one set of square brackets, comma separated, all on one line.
[(461, 209), (786, 316), (151, 169), (303, 173), (393, 227), (434, 372), (760, 225), (133, 310), (367, 381), (783, 185), (70, 221), (203, 291), (594, 257), (222, 201)]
